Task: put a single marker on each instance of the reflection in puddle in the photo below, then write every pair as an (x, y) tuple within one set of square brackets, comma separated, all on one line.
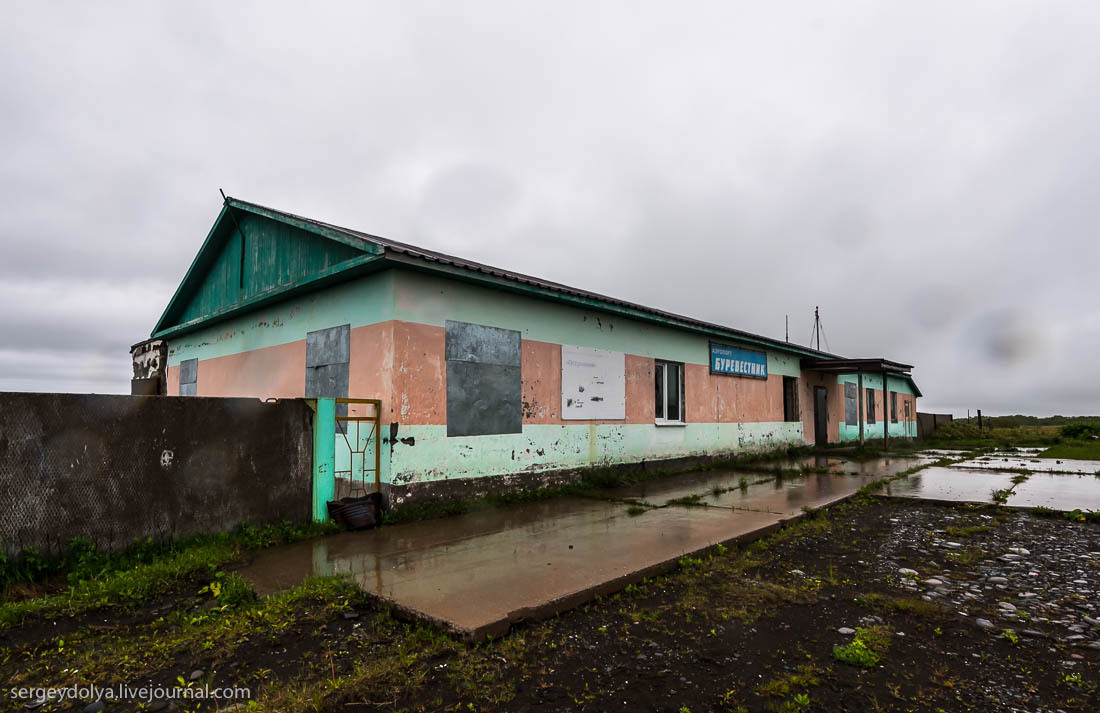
[(1060, 492), (1006, 461), (958, 484)]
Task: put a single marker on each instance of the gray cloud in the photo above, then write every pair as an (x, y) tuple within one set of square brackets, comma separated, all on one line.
[(924, 173)]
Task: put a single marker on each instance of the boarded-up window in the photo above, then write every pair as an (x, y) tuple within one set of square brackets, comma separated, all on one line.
[(328, 353), (484, 387), (851, 405), (189, 377), (593, 384), (870, 405)]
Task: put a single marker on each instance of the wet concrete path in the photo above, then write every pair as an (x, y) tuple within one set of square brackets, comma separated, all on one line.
[(478, 573)]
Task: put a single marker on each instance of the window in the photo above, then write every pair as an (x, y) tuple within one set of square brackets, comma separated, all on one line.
[(893, 407), (851, 405), (668, 382), (870, 405), (189, 377), (790, 399)]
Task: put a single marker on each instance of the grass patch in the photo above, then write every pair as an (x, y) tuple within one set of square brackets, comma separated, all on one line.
[(81, 560), (963, 433), (866, 649), (129, 577), (967, 530), (1074, 450), (691, 500), (805, 676)]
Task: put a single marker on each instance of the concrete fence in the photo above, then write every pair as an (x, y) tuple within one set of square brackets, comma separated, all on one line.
[(115, 468)]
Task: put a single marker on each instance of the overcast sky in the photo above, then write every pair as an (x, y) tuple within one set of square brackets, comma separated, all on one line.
[(925, 172)]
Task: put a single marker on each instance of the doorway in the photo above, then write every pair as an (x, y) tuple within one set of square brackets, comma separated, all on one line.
[(821, 416)]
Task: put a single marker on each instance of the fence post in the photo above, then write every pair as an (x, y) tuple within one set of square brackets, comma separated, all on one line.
[(324, 457)]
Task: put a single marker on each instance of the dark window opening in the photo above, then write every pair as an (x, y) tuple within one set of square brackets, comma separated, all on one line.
[(893, 407), (870, 405), (790, 399)]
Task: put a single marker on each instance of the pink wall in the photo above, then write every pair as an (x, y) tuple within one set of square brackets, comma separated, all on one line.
[(403, 363), (806, 385), (271, 372), (718, 398), (370, 363), (419, 374), (541, 367)]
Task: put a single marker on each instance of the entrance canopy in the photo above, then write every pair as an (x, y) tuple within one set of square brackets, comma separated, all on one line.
[(862, 366)]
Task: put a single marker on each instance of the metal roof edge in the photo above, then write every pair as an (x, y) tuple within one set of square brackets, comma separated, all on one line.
[(434, 261)]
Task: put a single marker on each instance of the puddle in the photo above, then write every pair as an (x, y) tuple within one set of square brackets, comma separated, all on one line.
[(761, 491), (790, 495), (1004, 461), (480, 571), (1060, 492), (887, 465), (959, 484)]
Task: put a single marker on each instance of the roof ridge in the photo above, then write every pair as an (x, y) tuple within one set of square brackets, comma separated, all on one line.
[(444, 258)]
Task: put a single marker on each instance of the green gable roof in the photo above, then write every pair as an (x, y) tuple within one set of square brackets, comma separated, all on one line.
[(249, 258)]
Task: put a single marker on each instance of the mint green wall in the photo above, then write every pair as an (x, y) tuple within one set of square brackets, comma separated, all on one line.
[(900, 429), (436, 457), (428, 299), (368, 300)]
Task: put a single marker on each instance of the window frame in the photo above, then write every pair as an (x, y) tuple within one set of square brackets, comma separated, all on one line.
[(869, 411), (659, 417), (893, 407), (794, 415)]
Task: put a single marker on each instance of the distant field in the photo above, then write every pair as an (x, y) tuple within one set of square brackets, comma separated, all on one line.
[(1074, 450), (964, 434)]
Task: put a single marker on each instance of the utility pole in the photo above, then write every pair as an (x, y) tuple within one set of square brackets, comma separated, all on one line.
[(817, 328), (787, 325)]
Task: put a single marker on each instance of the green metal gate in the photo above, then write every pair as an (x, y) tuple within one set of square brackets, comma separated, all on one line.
[(346, 451)]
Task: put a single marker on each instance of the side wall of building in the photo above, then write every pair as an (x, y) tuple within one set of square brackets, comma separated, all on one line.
[(398, 353), (723, 414), (899, 425)]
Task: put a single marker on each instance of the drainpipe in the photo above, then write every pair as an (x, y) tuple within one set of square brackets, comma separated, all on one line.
[(859, 400), (885, 413)]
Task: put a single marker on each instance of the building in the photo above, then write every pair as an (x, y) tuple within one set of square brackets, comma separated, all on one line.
[(492, 379)]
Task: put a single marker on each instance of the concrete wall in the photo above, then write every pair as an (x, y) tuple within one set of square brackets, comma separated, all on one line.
[(115, 468)]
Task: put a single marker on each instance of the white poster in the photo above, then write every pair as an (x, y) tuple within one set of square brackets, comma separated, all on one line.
[(593, 384)]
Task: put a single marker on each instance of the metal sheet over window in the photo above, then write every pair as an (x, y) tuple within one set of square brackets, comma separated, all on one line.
[(484, 387), (851, 404), (328, 353), (328, 346), (189, 377), (480, 344)]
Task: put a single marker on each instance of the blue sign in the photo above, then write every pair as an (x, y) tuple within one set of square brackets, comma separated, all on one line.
[(738, 362)]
